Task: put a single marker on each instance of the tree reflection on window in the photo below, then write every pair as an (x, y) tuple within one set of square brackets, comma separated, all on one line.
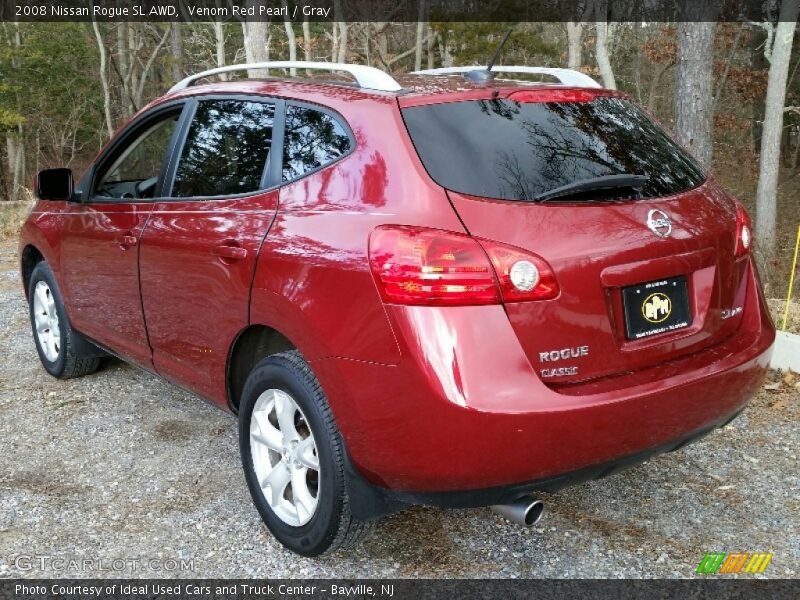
[(226, 150), (312, 139)]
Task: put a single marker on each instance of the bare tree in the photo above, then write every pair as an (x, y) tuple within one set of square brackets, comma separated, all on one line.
[(256, 43), (219, 45), (287, 25), (694, 97), (176, 49), (601, 45), (101, 48), (420, 35), (778, 55), (340, 51), (575, 35), (148, 67), (306, 39)]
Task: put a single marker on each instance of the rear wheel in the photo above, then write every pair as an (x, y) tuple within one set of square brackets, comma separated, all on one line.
[(292, 458), (59, 347)]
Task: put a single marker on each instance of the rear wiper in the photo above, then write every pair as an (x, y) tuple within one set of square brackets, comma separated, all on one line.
[(605, 182)]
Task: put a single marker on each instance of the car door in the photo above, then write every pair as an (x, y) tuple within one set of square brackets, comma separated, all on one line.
[(200, 246), (99, 247)]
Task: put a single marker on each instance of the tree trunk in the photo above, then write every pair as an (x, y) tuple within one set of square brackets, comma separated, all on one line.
[(306, 39), (287, 26), (340, 33), (420, 36), (601, 45), (766, 194), (148, 68), (574, 35), (219, 39), (176, 48), (430, 47), (101, 47), (694, 101), (255, 43)]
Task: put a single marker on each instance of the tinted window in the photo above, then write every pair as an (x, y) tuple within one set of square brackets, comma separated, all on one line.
[(226, 150), (312, 139), (517, 151), (134, 171)]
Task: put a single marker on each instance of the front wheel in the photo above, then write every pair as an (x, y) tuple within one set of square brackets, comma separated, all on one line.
[(292, 458), (61, 349)]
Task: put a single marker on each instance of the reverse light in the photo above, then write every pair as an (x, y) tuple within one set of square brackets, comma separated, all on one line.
[(414, 265), (522, 275), (744, 231)]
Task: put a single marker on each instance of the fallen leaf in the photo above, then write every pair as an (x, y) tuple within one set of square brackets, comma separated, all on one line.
[(773, 387), (778, 404), (790, 377)]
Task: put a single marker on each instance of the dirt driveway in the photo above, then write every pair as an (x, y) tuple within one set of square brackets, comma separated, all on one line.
[(120, 465)]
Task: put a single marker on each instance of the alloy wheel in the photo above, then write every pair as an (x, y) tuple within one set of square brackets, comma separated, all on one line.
[(46, 321), (284, 455)]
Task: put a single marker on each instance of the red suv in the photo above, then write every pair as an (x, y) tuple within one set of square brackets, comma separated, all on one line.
[(444, 291)]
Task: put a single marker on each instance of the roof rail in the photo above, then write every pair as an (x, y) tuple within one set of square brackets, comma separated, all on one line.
[(565, 76), (367, 77)]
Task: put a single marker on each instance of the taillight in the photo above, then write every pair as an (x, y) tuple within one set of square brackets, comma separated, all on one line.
[(744, 231), (523, 276), (431, 267)]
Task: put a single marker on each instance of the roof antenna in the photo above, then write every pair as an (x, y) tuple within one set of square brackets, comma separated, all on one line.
[(485, 76)]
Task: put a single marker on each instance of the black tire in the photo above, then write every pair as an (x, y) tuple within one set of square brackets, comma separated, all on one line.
[(332, 526), (76, 356)]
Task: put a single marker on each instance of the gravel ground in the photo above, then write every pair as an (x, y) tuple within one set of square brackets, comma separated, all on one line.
[(120, 465)]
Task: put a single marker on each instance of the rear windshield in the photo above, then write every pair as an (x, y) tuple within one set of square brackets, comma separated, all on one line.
[(521, 151)]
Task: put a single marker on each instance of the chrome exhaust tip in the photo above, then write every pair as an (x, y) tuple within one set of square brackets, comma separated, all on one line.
[(526, 511)]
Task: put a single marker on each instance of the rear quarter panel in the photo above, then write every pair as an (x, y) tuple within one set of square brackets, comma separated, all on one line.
[(313, 282)]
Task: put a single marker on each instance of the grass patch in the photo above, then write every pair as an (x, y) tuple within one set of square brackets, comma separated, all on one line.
[(12, 216)]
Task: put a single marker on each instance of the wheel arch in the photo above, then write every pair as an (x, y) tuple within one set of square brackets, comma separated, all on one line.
[(30, 256), (253, 343)]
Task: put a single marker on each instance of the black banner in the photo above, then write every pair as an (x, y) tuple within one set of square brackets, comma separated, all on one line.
[(400, 589), (389, 10)]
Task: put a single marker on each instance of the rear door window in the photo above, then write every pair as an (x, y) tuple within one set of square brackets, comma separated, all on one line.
[(522, 150), (312, 139), (226, 150)]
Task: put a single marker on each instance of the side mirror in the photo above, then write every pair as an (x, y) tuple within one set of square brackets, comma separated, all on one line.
[(54, 184)]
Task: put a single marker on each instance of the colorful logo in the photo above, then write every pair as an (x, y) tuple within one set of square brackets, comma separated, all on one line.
[(737, 562), (656, 307)]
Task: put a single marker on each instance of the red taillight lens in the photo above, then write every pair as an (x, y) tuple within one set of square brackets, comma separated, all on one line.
[(744, 231), (439, 268), (523, 276), (427, 266)]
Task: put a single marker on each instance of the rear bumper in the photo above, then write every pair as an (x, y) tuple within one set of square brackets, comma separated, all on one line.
[(463, 419)]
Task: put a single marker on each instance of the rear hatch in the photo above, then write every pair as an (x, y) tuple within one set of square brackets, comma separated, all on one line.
[(642, 243)]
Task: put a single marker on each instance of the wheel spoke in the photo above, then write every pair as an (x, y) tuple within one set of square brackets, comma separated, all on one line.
[(285, 409), (303, 500), (307, 453), (41, 295), (262, 431), (277, 480), (52, 352), (42, 323)]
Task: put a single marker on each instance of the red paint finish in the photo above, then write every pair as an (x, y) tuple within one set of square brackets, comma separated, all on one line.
[(427, 398), (100, 275), (196, 263)]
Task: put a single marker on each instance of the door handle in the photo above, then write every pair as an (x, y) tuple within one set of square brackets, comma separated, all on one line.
[(127, 241), (231, 252)]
